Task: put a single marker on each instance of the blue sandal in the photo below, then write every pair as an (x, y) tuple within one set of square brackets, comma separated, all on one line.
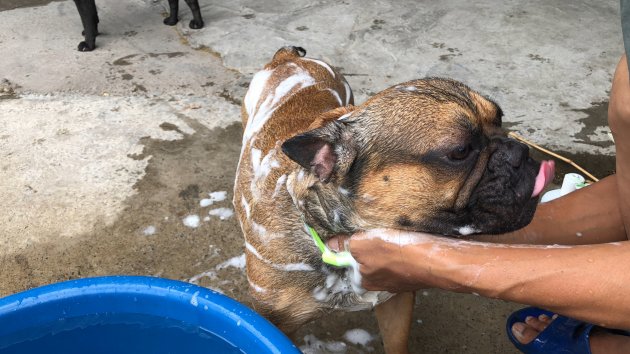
[(562, 335)]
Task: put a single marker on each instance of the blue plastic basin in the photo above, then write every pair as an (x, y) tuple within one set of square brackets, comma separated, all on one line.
[(128, 314)]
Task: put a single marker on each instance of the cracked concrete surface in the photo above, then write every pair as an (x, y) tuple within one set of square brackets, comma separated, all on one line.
[(540, 60), (103, 154)]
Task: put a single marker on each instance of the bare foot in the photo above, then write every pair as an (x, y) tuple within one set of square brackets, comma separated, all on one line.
[(528, 331), (601, 342)]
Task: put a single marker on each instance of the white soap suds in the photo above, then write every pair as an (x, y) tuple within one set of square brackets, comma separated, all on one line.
[(150, 230), (209, 274), (320, 293), (294, 267), (368, 198), (348, 92), (279, 184), (205, 202), (245, 205), (358, 336), (236, 262), (313, 345), (326, 66), (345, 116), (218, 196), (252, 250), (347, 283), (259, 81), (467, 230), (258, 229), (287, 267), (259, 114), (398, 238), (336, 96), (191, 221), (290, 189), (336, 216), (193, 299), (257, 288), (255, 157), (222, 213), (265, 166)]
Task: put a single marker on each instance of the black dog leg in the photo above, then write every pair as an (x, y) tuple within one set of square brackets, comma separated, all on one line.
[(197, 21), (89, 18), (171, 20)]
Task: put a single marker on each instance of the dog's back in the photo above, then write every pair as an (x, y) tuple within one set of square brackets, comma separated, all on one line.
[(290, 95)]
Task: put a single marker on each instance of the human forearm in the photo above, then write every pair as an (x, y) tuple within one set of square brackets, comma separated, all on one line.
[(591, 283)]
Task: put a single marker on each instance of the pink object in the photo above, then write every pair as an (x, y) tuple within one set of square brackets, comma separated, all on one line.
[(545, 175)]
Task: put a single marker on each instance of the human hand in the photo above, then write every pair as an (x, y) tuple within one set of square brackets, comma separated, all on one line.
[(398, 261)]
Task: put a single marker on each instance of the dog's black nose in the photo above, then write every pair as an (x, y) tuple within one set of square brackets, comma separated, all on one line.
[(514, 152)]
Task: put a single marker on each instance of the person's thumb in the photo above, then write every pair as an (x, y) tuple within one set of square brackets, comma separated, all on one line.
[(339, 243)]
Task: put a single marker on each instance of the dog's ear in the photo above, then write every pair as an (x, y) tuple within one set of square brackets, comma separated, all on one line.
[(325, 151)]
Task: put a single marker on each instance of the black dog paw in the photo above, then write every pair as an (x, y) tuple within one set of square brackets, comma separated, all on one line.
[(196, 24), (85, 47), (170, 21)]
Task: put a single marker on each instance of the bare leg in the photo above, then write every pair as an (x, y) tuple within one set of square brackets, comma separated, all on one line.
[(394, 322)]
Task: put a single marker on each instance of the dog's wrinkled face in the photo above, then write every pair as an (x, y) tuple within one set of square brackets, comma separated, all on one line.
[(426, 155)]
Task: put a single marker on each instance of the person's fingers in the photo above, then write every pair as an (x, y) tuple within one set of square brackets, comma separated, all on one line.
[(339, 243)]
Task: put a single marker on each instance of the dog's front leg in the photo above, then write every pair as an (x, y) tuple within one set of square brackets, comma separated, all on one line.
[(89, 19), (171, 20), (197, 21), (394, 322)]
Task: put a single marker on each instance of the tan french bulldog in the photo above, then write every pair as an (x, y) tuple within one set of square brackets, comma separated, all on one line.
[(426, 155)]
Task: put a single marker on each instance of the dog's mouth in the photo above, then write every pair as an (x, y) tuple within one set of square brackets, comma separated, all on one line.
[(544, 177)]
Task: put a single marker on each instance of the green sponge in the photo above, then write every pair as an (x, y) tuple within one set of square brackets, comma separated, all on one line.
[(337, 259)]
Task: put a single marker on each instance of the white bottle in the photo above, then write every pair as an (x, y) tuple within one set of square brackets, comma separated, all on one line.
[(571, 183)]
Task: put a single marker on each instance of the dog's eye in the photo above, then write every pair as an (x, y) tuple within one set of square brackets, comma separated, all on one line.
[(460, 153)]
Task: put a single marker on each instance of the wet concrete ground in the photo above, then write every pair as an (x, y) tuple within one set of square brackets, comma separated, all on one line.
[(104, 154), (14, 4)]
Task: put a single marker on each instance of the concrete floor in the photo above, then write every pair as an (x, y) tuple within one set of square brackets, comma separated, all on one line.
[(103, 154)]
